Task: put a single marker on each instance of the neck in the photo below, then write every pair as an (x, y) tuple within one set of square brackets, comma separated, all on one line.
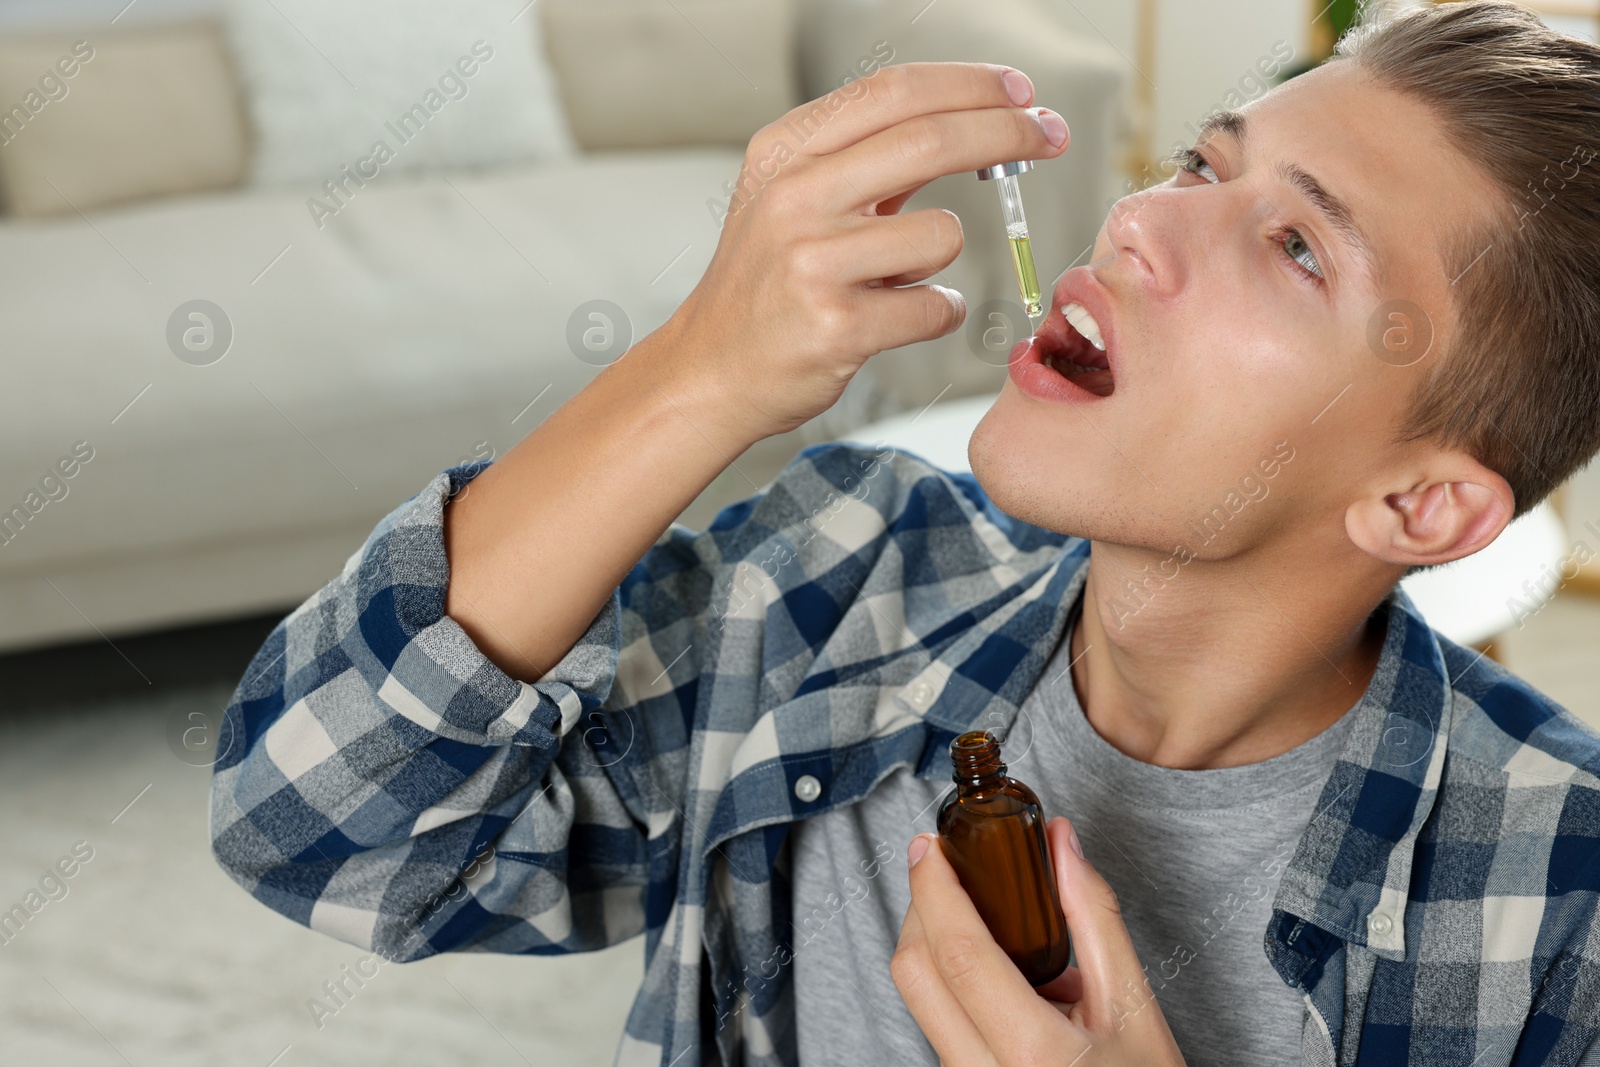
[(1226, 663)]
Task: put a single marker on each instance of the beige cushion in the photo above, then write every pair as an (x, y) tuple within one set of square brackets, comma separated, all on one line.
[(392, 86), (645, 74), (147, 111)]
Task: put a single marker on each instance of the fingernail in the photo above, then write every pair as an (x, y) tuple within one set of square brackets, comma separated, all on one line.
[(1018, 87), (1055, 127), (919, 845), (1072, 839)]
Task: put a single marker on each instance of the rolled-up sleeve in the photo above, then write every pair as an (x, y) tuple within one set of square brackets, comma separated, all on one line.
[(379, 779)]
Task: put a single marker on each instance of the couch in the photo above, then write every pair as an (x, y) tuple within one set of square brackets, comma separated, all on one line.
[(427, 325)]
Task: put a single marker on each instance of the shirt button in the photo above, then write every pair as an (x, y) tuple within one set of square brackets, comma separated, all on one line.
[(807, 788), (921, 693), (1379, 924)]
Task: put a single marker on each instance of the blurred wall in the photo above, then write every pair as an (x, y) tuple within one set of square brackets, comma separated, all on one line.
[(1202, 50)]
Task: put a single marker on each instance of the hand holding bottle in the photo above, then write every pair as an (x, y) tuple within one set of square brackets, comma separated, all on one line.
[(976, 1008)]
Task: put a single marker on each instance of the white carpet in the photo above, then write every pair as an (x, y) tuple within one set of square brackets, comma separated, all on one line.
[(155, 957)]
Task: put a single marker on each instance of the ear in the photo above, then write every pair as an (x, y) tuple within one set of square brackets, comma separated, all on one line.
[(1455, 508)]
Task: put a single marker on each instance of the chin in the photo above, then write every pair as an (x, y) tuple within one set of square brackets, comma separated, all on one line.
[(1013, 463), (1034, 468)]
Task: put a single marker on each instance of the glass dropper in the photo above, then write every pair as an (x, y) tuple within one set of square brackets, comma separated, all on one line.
[(1005, 176)]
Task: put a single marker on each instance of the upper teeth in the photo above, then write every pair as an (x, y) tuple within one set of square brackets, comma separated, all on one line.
[(1084, 323)]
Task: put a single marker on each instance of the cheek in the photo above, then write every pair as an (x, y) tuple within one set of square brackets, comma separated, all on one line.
[(1245, 364), (1243, 379)]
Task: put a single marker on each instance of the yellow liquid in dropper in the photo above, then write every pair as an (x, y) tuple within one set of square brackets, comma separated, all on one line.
[(1027, 274)]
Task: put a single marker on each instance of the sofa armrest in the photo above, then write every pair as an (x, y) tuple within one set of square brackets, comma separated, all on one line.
[(1066, 198)]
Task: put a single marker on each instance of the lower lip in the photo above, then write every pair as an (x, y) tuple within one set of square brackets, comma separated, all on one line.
[(1027, 369)]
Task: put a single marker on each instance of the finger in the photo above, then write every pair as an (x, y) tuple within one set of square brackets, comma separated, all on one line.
[(945, 1023), (908, 278), (897, 250), (889, 318), (1113, 981), (1016, 1024), (888, 96), (893, 205), (920, 149)]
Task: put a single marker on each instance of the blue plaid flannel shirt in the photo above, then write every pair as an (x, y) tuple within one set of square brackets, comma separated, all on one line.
[(386, 784)]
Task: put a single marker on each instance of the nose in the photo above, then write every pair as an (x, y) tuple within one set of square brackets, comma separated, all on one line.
[(1144, 232)]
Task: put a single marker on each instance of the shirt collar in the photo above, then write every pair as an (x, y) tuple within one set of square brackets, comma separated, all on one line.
[(984, 676), (1351, 873)]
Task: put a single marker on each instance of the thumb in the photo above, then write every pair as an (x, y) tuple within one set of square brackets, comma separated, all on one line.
[(1114, 983)]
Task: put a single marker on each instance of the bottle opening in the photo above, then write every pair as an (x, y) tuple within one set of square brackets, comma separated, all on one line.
[(976, 754)]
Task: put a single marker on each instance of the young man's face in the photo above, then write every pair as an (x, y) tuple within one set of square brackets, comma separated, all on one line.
[(1225, 344)]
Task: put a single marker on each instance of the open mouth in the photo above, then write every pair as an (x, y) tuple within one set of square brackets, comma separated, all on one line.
[(1072, 347)]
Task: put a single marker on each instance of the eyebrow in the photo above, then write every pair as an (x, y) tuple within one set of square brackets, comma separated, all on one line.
[(1334, 211)]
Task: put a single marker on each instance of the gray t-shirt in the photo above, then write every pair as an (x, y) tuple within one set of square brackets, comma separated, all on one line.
[(1194, 857)]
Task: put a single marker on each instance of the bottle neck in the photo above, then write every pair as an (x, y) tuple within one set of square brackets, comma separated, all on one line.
[(975, 760)]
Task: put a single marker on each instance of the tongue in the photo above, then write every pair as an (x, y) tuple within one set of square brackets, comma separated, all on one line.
[(1094, 374), (1090, 358)]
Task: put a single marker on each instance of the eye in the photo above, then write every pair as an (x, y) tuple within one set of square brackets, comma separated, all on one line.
[(1297, 251), (1291, 243), (1188, 159)]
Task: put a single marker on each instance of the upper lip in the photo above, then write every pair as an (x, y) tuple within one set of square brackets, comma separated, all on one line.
[(1080, 286)]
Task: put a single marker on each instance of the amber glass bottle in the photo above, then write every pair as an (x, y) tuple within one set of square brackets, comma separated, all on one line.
[(991, 828)]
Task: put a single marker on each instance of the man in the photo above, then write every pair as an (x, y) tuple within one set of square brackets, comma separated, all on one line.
[(535, 715)]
